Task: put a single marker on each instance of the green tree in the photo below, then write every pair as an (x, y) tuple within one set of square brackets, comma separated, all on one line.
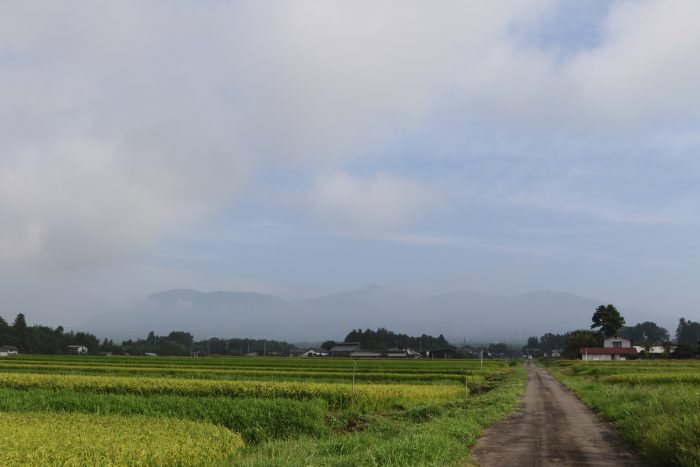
[(688, 333), (20, 322), (533, 343), (646, 331), (575, 340), (608, 320), (328, 345)]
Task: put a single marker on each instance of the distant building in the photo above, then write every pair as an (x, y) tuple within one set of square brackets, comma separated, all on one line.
[(614, 348), (7, 350), (402, 353), (151, 354), (77, 350), (344, 349), (446, 352), (308, 353), (366, 354), (655, 349)]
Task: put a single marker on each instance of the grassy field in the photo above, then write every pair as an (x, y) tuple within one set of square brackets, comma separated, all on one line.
[(249, 411), (655, 405)]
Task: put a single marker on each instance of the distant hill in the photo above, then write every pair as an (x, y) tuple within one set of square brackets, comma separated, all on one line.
[(457, 315)]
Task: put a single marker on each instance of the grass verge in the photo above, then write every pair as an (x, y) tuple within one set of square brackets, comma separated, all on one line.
[(662, 421)]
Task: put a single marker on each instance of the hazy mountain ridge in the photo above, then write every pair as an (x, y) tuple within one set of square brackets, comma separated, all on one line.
[(248, 314)]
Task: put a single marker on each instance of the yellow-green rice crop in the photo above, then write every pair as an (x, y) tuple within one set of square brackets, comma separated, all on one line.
[(336, 394), (86, 440), (238, 373)]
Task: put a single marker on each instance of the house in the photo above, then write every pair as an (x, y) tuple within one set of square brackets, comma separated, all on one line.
[(151, 354), (344, 349), (7, 350), (308, 353), (77, 350), (402, 353), (614, 348)]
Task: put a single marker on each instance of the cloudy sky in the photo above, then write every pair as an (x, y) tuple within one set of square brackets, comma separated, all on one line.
[(306, 147)]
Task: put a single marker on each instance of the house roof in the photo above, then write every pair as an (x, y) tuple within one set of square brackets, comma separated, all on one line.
[(609, 350), (346, 347), (366, 354), (9, 348)]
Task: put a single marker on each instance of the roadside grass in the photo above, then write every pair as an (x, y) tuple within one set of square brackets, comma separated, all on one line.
[(659, 416)]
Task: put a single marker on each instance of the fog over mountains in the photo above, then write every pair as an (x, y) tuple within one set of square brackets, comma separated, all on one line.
[(457, 315)]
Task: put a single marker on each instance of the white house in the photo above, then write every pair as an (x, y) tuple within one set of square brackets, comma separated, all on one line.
[(614, 348), (655, 349), (78, 349), (402, 353), (7, 350), (308, 353)]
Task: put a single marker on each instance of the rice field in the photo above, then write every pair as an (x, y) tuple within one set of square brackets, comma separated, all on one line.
[(655, 405), (79, 410)]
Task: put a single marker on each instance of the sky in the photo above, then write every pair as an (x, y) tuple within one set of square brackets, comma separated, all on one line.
[(307, 147)]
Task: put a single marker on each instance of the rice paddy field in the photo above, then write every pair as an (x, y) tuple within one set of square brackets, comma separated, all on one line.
[(78, 410), (654, 404)]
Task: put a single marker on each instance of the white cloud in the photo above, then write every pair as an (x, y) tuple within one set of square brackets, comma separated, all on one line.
[(373, 205), (119, 120)]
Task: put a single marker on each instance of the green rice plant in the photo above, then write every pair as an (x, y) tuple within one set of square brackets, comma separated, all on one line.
[(653, 378), (255, 419), (237, 373), (87, 440)]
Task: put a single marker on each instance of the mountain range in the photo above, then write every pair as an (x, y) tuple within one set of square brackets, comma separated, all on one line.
[(457, 315)]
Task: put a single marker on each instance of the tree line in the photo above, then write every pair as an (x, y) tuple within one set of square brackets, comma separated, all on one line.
[(40, 339), (43, 339), (608, 322), (384, 339)]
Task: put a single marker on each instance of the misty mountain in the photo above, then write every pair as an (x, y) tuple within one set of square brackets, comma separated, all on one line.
[(457, 315)]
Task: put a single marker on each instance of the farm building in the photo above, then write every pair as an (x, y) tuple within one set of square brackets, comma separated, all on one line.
[(308, 353), (446, 352), (654, 350), (402, 353), (614, 348), (7, 350), (77, 349), (366, 354), (344, 349)]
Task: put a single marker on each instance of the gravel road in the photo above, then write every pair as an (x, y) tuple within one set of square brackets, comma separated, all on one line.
[(552, 428)]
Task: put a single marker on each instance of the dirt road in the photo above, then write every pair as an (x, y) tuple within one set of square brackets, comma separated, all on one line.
[(552, 428)]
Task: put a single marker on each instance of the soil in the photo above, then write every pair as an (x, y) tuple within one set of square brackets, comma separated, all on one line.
[(551, 428)]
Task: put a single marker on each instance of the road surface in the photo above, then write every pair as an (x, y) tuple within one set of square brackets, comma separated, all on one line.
[(552, 428)]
